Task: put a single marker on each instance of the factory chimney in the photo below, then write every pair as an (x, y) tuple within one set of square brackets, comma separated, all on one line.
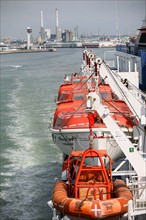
[(58, 34), (42, 22), (29, 31), (42, 31)]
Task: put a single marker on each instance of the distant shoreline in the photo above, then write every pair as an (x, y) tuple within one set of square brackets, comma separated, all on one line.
[(43, 50), (24, 51)]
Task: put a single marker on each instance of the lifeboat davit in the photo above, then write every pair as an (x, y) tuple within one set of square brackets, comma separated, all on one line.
[(88, 191)]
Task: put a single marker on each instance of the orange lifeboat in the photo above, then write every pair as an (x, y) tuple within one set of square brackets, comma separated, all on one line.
[(87, 191), (71, 104)]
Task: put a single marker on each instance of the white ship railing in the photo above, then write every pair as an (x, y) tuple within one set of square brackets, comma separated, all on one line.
[(137, 206), (141, 96)]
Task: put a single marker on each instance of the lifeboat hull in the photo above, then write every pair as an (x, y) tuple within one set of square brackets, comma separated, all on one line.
[(91, 209), (68, 140)]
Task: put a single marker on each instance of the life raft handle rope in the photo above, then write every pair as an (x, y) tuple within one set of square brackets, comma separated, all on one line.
[(95, 188)]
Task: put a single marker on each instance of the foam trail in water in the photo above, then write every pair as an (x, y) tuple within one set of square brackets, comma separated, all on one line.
[(11, 67)]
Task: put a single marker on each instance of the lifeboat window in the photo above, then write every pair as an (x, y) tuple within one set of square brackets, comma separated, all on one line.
[(105, 95), (79, 96), (58, 122), (78, 80), (61, 122), (84, 80), (114, 96), (63, 96)]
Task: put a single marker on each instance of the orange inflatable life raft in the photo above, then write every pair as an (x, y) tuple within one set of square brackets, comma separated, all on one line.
[(88, 192)]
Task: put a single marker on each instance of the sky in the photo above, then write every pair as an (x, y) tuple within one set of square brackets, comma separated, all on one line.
[(107, 17)]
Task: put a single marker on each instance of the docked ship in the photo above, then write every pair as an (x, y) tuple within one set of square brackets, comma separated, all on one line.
[(90, 44)]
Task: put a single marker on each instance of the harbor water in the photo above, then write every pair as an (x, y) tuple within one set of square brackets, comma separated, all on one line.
[(30, 162)]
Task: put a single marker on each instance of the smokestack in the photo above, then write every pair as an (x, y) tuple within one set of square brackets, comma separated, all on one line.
[(42, 22), (57, 23), (29, 31), (57, 26), (42, 31)]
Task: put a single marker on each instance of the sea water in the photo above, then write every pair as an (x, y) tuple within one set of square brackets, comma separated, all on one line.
[(30, 162)]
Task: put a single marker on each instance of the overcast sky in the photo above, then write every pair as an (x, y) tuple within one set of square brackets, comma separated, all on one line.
[(90, 16)]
